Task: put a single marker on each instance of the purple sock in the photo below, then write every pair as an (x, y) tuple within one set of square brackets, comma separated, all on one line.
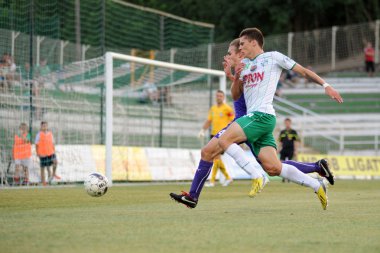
[(200, 177), (304, 167)]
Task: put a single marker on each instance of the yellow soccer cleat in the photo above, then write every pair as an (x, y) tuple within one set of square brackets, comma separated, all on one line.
[(322, 195), (257, 186)]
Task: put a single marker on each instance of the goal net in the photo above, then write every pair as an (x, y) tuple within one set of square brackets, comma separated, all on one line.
[(180, 96), (101, 111)]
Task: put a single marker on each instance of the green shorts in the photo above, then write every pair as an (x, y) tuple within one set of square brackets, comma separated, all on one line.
[(258, 127)]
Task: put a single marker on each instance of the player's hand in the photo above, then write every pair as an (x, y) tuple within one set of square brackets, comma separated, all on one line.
[(238, 69), (227, 67), (201, 134), (333, 94)]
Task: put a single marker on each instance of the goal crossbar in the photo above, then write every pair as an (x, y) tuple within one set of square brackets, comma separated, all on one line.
[(109, 58)]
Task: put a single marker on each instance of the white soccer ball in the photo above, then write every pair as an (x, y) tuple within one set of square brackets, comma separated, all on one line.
[(96, 184)]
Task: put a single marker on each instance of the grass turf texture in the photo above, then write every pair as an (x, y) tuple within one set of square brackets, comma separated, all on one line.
[(141, 218)]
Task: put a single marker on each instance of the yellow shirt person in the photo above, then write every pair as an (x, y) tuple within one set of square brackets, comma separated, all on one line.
[(219, 116)]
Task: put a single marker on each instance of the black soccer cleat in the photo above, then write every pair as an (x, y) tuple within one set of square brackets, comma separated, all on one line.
[(325, 171), (184, 198)]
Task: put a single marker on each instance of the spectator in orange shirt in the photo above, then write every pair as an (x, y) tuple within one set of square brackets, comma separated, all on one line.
[(369, 54), (22, 155), (46, 152)]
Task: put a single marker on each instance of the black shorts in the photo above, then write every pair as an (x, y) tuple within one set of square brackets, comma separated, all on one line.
[(47, 160), (286, 154), (369, 66)]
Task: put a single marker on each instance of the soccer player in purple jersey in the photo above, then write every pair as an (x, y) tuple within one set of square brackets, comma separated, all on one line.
[(212, 149)]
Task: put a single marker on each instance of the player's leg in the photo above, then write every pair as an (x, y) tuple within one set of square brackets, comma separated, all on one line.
[(49, 168), (55, 165), (43, 175), (16, 177), (235, 134), (208, 153), (27, 166), (274, 167), (321, 166)]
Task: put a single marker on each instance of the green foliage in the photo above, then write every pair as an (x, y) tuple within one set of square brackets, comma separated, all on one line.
[(102, 24), (272, 16)]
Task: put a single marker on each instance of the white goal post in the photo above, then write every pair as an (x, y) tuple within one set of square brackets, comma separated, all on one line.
[(109, 60)]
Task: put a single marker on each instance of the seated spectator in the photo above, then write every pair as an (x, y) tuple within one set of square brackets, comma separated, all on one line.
[(42, 73), (165, 95), (7, 72), (150, 92), (306, 80), (291, 78)]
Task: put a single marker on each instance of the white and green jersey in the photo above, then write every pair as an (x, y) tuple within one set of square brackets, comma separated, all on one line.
[(260, 77)]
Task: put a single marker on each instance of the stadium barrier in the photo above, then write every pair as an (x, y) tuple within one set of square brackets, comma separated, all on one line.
[(136, 164)]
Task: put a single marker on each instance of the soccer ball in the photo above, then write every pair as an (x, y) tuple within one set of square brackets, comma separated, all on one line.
[(96, 184)]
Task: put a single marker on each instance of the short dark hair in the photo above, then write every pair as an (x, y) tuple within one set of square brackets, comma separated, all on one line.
[(220, 91), (288, 119), (235, 43), (43, 122), (253, 34)]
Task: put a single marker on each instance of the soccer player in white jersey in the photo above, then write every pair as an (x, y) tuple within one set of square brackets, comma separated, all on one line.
[(257, 80), (212, 149)]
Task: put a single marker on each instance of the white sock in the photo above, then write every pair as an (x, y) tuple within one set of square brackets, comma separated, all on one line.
[(238, 154), (293, 174)]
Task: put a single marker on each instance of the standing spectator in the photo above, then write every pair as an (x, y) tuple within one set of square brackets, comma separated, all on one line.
[(369, 54), (46, 152), (219, 116), (22, 155), (42, 73), (288, 142)]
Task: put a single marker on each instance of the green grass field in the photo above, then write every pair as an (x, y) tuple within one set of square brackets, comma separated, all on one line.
[(141, 218)]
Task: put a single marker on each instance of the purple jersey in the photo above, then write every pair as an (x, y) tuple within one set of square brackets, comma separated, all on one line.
[(240, 110), (240, 107)]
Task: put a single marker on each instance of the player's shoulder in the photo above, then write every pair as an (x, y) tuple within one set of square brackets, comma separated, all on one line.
[(274, 54)]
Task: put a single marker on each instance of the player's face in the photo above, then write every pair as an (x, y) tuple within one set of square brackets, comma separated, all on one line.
[(23, 129), (219, 98), (44, 127), (234, 55), (288, 123), (246, 46)]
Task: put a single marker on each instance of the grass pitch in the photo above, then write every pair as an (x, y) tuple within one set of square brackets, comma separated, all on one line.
[(141, 218)]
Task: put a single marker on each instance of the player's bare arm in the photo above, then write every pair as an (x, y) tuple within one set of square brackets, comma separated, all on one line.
[(236, 87), (307, 73)]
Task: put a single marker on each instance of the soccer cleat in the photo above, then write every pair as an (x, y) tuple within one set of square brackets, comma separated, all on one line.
[(257, 185), (227, 182), (322, 194), (325, 171), (185, 199)]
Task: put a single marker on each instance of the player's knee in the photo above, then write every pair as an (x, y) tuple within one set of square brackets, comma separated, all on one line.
[(272, 169), (207, 154)]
